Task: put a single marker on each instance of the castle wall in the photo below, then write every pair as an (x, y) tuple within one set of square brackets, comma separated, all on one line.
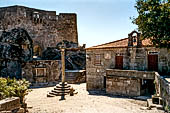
[(44, 27)]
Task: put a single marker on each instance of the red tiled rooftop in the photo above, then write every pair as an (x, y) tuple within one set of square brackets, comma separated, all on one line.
[(119, 43)]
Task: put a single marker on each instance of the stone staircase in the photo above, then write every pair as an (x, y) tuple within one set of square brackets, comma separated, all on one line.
[(60, 89), (70, 78), (75, 76)]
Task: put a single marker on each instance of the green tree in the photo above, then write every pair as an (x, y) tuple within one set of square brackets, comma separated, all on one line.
[(154, 21)]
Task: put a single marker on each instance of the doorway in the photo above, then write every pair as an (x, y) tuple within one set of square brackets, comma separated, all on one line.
[(104, 82), (153, 62), (147, 87), (119, 62)]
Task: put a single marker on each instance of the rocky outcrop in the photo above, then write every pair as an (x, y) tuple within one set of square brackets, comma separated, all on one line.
[(75, 56), (15, 50)]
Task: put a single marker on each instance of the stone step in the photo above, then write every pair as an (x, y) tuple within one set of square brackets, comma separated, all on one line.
[(60, 91), (57, 94), (58, 86), (70, 78), (160, 107), (49, 95)]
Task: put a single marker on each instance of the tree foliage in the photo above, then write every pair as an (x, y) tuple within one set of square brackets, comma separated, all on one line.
[(154, 21)]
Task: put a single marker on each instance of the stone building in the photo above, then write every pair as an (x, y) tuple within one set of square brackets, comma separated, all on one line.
[(45, 28), (124, 67)]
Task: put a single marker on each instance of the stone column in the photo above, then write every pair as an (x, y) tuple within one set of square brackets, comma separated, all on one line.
[(63, 64)]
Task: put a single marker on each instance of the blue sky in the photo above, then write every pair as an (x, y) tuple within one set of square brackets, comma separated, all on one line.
[(99, 21)]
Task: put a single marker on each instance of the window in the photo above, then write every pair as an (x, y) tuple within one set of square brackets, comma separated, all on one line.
[(40, 72), (97, 60)]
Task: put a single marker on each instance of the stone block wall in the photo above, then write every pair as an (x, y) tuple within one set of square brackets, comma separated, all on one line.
[(164, 61), (126, 82), (42, 71), (44, 27), (96, 70), (10, 104), (123, 86)]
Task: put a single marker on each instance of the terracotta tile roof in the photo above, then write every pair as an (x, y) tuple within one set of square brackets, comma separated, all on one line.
[(120, 43)]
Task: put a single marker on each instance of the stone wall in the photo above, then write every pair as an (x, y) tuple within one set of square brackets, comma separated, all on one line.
[(126, 82), (42, 71), (11, 105), (162, 85), (44, 27), (123, 86), (133, 59)]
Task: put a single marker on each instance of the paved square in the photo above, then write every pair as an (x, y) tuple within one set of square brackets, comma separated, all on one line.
[(38, 102)]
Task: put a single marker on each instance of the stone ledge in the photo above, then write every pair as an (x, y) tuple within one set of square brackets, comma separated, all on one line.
[(10, 104), (130, 73)]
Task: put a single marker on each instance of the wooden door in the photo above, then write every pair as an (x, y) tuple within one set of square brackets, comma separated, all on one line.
[(119, 62), (153, 62)]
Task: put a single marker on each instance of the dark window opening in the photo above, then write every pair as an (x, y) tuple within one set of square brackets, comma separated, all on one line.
[(40, 20), (104, 81)]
